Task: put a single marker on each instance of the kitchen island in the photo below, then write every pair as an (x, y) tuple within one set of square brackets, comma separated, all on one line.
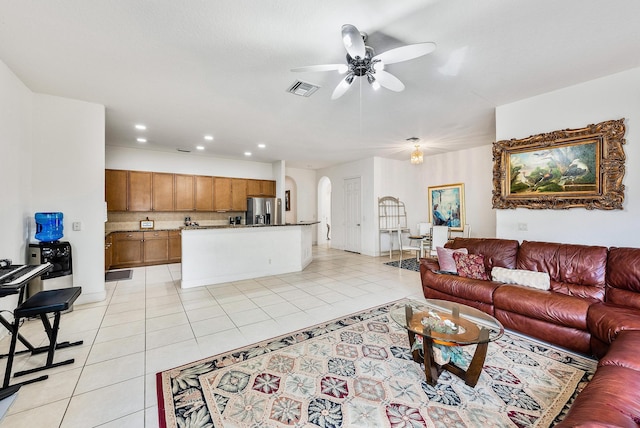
[(217, 254)]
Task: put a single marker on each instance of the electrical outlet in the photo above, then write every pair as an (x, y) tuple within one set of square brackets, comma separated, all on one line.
[(77, 225), (522, 226)]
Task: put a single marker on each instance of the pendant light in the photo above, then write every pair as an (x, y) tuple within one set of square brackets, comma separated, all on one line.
[(416, 155)]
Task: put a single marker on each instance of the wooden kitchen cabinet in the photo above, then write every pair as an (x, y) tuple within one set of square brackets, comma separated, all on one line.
[(203, 193), (269, 188), (128, 249), (238, 194), (262, 188), (175, 246), (115, 189), (184, 192), (221, 194), (156, 247), (162, 192), (108, 252), (139, 194)]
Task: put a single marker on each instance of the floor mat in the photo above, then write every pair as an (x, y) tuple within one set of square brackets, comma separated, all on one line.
[(118, 275)]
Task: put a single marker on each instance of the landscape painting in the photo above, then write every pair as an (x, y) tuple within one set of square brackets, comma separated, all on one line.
[(568, 168)]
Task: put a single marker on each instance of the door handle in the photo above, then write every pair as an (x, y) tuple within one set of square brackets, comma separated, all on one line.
[(357, 224)]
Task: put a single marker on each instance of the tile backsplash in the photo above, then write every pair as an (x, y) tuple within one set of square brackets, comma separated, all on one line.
[(117, 221)]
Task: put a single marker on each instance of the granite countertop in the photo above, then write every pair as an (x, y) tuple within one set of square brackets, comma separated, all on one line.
[(242, 226), (138, 230)]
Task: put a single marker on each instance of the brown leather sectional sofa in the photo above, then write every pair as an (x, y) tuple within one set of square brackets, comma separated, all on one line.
[(592, 307)]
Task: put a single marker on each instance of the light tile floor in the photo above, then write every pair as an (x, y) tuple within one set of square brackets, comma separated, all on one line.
[(149, 324)]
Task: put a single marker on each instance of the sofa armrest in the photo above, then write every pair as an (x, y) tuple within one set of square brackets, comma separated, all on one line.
[(430, 263)]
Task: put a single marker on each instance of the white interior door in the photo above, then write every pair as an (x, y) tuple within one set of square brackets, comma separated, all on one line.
[(352, 204)]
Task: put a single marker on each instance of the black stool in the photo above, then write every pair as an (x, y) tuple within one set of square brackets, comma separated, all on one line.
[(42, 303)]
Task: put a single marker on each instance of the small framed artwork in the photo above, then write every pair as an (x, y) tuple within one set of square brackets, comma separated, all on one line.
[(446, 206), (287, 200), (562, 169), (146, 224)]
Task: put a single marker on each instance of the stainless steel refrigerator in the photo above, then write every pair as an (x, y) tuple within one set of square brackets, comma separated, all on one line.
[(264, 211)]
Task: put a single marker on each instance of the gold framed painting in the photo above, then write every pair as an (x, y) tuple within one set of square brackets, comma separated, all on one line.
[(562, 169), (446, 206)]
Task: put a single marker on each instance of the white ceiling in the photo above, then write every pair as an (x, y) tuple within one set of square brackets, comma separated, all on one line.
[(186, 68)]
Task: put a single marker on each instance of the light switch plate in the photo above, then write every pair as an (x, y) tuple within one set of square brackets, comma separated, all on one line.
[(77, 225)]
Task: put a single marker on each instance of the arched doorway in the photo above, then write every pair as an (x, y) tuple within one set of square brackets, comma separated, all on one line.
[(324, 211)]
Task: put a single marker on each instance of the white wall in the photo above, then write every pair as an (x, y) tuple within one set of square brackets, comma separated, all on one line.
[(16, 104), (472, 167), (67, 176), (608, 98), (306, 199), (52, 160), (184, 163)]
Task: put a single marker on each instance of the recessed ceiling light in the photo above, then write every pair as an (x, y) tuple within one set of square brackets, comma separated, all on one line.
[(262, 145), (247, 153), (200, 147), (208, 137), (141, 127), (141, 140)]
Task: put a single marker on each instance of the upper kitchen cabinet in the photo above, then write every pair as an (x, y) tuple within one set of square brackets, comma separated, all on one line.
[(115, 189), (264, 188), (221, 194), (162, 192), (269, 188), (140, 191), (238, 194), (204, 193), (184, 188)]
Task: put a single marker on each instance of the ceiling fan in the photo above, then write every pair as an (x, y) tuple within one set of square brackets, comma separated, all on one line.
[(362, 62)]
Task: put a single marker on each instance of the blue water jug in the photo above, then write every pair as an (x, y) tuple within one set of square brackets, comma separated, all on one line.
[(48, 227)]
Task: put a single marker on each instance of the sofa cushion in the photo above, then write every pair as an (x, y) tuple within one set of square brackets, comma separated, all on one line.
[(529, 278), (606, 320), (470, 265), (497, 252), (445, 258), (576, 270), (547, 306), (623, 276)]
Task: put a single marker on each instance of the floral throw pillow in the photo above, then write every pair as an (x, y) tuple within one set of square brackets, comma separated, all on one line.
[(470, 265)]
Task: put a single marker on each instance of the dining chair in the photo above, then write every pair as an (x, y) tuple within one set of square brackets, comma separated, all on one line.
[(424, 230), (439, 237), (404, 248)]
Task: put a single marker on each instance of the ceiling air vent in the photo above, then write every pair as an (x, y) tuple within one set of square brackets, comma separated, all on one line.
[(304, 89), (184, 150)]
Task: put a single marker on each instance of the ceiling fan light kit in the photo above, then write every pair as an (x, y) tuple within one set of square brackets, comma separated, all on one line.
[(362, 62)]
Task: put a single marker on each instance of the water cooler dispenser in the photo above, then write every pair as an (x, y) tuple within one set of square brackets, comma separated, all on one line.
[(49, 230)]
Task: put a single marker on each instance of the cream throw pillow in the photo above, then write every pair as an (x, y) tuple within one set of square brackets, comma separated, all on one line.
[(528, 278)]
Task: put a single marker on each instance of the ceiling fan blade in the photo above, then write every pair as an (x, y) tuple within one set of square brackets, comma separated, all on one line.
[(389, 81), (406, 53), (342, 87), (353, 42), (322, 67)]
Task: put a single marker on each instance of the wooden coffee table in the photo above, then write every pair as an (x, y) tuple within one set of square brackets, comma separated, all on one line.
[(435, 321)]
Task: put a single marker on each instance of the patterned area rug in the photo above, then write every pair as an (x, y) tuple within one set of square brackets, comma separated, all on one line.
[(410, 264), (358, 372)]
